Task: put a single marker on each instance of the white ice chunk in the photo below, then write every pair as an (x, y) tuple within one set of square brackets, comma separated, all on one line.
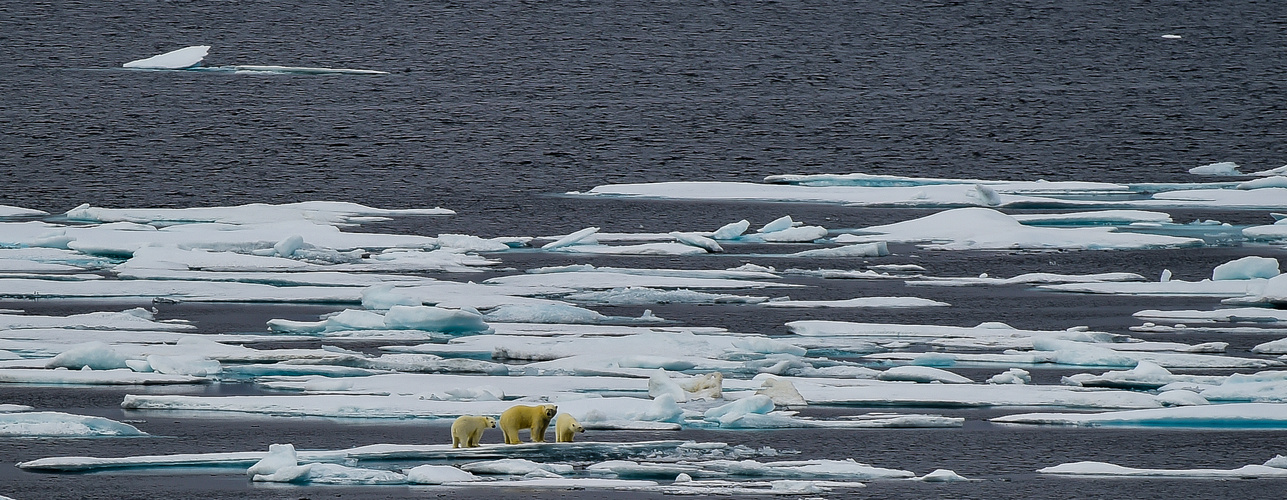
[(56, 424), (193, 365), (279, 456), (942, 476), (1224, 168), (922, 374), (1011, 376), (698, 240), (877, 249), (779, 224), (660, 383), (757, 404), (582, 237), (873, 302), (988, 229), (731, 230), (438, 474), (177, 59), (1107, 469), (1246, 268), (92, 355), (325, 473), (1223, 416), (514, 467), (1278, 181), (645, 295)]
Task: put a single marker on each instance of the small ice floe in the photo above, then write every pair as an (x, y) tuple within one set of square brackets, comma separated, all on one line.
[(1011, 376), (857, 302), (1222, 416), (607, 280), (132, 319), (1144, 376), (876, 249), (1232, 315), (438, 474), (579, 451), (942, 476), (922, 374), (646, 296), (1224, 168), (398, 317), (1171, 37), (988, 229), (120, 376), (514, 467), (1107, 469), (190, 58), (1027, 278), (1246, 268), (57, 424), (186, 57), (1267, 386), (1094, 218)]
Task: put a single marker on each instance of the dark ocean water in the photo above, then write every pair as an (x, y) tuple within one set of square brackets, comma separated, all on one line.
[(494, 108)]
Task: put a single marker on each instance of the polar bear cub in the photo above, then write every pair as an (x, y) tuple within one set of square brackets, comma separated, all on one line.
[(467, 430), (518, 417), (565, 427)]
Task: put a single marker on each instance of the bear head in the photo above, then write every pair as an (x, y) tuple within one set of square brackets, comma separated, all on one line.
[(550, 410), (491, 422)]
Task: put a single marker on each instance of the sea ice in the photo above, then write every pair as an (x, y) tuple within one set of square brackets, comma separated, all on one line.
[(514, 467), (1246, 268), (876, 249), (987, 229), (1107, 469), (881, 302), (923, 374), (57, 424), (645, 296), (1222, 416), (1224, 168), (438, 474), (175, 59), (92, 355)]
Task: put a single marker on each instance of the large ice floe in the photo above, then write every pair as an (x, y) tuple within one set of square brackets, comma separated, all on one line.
[(860, 189), (58, 424)]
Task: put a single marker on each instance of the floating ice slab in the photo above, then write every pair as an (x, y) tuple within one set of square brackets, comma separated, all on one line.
[(867, 392), (1095, 218), (647, 296), (56, 424), (190, 291), (924, 374), (584, 450), (133, 319), (1233, 315), (875, 302), (925, 195), (1224, 168), (11, 211), (176, 59), (987, 229), (1107, 469), (327, 212), (1027, 278), (1177, 288), (640, 249), (93, 377), (1224, 416), (595, 280), (877, 249), (324, 473), (438, 474)]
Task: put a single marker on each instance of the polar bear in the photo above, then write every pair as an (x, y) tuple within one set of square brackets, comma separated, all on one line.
[(535, 418), (467, 430), (565, 427)]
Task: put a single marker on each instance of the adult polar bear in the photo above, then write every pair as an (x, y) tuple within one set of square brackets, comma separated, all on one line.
[(518, 417), (467, 430)]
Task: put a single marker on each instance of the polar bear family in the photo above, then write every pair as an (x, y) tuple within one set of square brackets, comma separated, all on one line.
[(467, 430)]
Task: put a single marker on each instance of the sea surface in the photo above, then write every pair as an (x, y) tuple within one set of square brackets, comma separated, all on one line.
[(498, 109)]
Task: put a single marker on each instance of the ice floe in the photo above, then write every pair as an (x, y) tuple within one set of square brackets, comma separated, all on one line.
[(987, 229), (1223, 416), (1113, 470), (58, 424)]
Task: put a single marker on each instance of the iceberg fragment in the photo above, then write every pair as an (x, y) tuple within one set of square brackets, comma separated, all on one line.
[(186, 57)]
